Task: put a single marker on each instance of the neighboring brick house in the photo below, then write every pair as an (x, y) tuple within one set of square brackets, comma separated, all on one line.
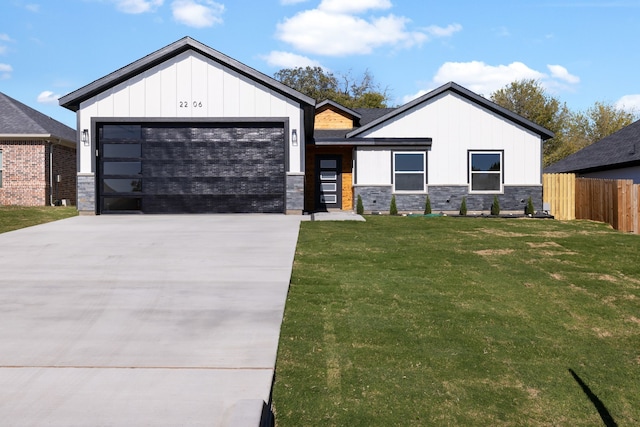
[(37, 157)]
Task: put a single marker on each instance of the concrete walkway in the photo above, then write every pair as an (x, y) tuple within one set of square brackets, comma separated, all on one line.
[(142, 320)]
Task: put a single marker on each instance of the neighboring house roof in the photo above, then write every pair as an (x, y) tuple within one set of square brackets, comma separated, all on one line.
[(618, 150), (72, 100), (19, 121), (467, 94)]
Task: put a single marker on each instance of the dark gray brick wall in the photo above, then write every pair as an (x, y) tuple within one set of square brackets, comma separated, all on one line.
[(86, 193), (295, 193), (374, 198), (449, 198)]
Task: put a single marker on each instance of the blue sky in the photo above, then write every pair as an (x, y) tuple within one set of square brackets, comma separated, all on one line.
[(582, 51)]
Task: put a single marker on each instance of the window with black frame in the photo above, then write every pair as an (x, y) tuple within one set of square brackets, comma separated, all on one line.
[(409, 171), (486, 171)]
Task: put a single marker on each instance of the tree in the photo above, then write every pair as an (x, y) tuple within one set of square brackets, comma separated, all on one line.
[(427, 206), (463, 206), (359, 206), (345, 89), (312, 81), (495, 206), (393, 208), (596, 123), (528, 98)]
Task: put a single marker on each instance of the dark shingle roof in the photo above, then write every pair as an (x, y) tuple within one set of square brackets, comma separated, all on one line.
[(367, 115), (17, 118), (330, 133), (617, 150)]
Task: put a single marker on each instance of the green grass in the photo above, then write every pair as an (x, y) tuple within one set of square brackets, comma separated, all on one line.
[(15, 217), (460, 321)]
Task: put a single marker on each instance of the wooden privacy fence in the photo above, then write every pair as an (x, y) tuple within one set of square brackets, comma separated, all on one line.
[(559, 191), (614, 201)]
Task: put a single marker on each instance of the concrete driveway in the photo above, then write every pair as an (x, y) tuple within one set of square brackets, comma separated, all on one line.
[(142, 320)]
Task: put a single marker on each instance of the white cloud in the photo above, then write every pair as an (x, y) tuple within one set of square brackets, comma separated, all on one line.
[(289, 60), (447, 31), (629, 103), (197, 13), (484, 79), (353, 6), (5, 37), (561, 73), (35, 8), (137, 6), (5, 71), (48, 97), (324, 33)]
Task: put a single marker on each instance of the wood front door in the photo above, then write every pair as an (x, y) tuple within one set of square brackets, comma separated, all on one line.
[(328, 182)]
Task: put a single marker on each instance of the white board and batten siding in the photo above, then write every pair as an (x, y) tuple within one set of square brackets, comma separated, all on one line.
[(455, 125), (190, 85)]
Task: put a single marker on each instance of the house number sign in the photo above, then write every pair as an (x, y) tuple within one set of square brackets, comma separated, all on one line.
[(187, 104)]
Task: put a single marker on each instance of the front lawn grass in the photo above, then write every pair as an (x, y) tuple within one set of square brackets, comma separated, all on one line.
[(15, 217), (461, 322)]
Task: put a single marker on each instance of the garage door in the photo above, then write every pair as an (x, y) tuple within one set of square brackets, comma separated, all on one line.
[(191, 168)]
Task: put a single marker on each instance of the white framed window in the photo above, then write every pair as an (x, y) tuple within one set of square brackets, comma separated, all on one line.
[(409, 171), (486, 171)]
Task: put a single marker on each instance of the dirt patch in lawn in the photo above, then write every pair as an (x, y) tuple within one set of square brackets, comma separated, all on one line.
[(502, 233), (491, 252)]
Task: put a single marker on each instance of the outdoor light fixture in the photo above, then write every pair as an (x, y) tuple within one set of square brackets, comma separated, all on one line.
[(294, 137), (85, 137)]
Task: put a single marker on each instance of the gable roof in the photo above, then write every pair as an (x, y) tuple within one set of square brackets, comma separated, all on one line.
[(18, 120), (620, 149), (467, 94), (72, 100), (341, 108)]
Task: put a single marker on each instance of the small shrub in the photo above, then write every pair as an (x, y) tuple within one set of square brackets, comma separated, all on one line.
[(359, 206), (529, 209), (463, 206), (393, 209), (427, 206), (495, 206)]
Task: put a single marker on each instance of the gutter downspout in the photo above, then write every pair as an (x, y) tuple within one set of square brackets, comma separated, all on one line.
[(50, 174)]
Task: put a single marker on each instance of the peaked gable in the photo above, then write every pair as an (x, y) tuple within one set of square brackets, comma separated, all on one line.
[(617, 150), (465, 93), (331, 115), (18, 119), (72, 100)]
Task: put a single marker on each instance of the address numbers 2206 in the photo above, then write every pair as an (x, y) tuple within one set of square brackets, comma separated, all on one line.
[(187, 104)]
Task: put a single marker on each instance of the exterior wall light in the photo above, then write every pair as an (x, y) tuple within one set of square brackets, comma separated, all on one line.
[(294, 137), (85, 137)]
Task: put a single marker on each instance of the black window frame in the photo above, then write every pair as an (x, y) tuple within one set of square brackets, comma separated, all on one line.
[(423, 172), (471, 172)]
